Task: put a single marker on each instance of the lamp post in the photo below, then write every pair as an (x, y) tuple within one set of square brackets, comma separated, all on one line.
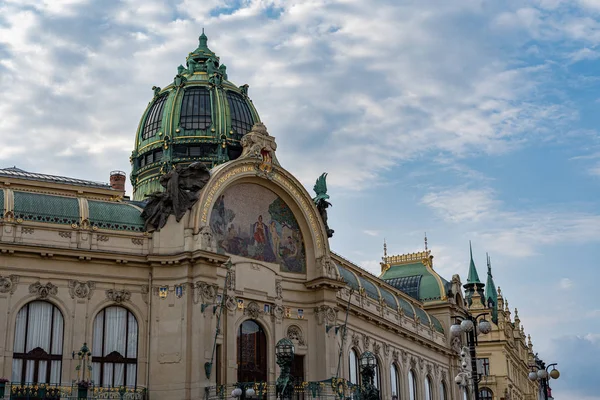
[(284, 351), (472, 327), (539, 372), (367, 364)]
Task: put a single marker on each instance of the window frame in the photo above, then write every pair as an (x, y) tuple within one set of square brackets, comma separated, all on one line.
[(353, 351), (153, 121), (189, 118), (38, 354), (412, 384), (239, 113), (484, 391), (117, 358)]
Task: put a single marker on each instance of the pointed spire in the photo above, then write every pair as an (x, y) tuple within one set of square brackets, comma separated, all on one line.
[(491, 296), (203, 39), (384, 248), (473, 277), (425, 241)]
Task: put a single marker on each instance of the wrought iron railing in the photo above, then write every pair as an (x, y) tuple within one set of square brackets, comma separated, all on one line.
[(39, 391), (330, 389)]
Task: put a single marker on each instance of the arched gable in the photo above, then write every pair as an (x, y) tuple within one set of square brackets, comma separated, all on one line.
[(283, 186)]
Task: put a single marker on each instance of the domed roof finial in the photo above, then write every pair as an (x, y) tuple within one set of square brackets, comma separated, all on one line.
[(203, 39), (425, 241)]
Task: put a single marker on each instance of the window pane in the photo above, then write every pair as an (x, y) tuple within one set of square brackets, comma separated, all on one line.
[(55, 371), (195, 109), (40, 319), (241, 117), (17, 369), (57, 333), (442, 391), (29, 370), (108, 375), (98, 333), (412, 385), (427, 388), (96, 369), (42, 365), (20, 331), (353, 360), (394, 379), (131, 374), (154, 118), (115, 330), (132, 337), (119, 371)]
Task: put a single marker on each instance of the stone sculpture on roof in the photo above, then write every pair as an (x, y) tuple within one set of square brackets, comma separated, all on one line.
[(182, 187), (321, 202)]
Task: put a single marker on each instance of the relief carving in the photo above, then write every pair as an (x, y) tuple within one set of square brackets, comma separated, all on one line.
[(328, 267), (376, 348), (207, 239), (278, 290), (278, 312), (355, 340), (118, 296), (386, 349), (325, 314), (8, 283), (253, 310), (395, 355), (295, 333), (366, 341), (205, 292), (81, 290), (43, 291), (231, 303)]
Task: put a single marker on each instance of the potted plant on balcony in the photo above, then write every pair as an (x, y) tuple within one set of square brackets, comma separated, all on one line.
[(82, 389), (3, 382)]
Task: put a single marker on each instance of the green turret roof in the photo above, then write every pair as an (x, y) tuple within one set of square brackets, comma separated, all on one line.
[(491, 296), (473, 276)]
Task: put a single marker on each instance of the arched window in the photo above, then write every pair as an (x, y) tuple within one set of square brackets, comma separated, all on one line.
[(485, 394), (377, 376), (395, 385), (115, 347), (443, 395), (38, 345), (427, 388), (154, 117), (241, 117), (412, 385), (195, 109), (353, 366), (252, 352)]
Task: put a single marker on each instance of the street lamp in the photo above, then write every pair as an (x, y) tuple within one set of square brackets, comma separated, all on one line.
[(284, 351), (367, 364), (539, 372), (472, 326)]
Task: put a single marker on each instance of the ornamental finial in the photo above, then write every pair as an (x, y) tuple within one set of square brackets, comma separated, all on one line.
[(425, 241), (384, 248)]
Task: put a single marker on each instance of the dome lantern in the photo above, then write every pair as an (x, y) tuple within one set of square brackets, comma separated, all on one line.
[(200, 116)]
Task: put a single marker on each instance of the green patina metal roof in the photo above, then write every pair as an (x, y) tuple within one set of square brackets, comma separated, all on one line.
[(473, 275), (199, 117), (46, 208), (115, 216), (416, 280), (491, 296)]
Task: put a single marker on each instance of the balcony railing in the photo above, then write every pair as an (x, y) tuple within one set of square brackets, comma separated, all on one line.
[(35, 391), (330, 389)]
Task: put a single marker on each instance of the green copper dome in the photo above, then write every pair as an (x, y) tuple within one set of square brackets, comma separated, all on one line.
[(200, 116)]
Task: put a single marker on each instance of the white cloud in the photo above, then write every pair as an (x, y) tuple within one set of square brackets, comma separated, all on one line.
[(371, 232), (566, 284), (462, 204)]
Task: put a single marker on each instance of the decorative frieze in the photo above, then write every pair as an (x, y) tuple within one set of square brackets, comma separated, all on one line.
[(118, 296), (81, 290), (43, 291), (28, 231), (204, 292), (102, 238), (325, 314), (137, 241), (66, 235), (8, 284)]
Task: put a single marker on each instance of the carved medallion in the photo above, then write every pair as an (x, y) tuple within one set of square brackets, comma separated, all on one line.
[(295, 333), (231, 303), (43, 291), (253, 310), (81, 290), (278, 312), (118, 296), (8, 283)]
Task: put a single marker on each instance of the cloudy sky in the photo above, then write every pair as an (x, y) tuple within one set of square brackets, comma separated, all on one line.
[(466, 119)]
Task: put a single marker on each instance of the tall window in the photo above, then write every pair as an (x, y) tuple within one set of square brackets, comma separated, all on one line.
[(115, 346), (427, 388), (395, 386), (485, 394), (353, 366), (38, 344), (195, 109), (252, 352), (443, 391), (483, 366), (376, 377), (241, 118), (154, 117), (412, 385)]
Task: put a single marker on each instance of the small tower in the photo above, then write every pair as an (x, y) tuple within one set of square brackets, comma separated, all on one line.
[(491, 296), (473, 283)]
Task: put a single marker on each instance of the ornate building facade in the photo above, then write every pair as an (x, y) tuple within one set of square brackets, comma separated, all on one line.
[(177, 299)]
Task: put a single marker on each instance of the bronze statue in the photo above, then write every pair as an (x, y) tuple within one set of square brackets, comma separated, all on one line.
[(182, 187), (321, 202)]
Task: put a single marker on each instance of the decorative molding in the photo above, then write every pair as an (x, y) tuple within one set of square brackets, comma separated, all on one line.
[(231, 280), (66, 235), (404, 356), (278, 290), (8, 283), (43, 291), (355, 339), (325, 314), (118, 296), (102, 238), (386, 349), (204, 292), (328, 267), (252, 310), (145, 293), (81, 289), (207, 239), (395, 355), (366, 341), (137, 241), (28, 231), (278, 312), (376, 348), (231, 303), (295, 333)]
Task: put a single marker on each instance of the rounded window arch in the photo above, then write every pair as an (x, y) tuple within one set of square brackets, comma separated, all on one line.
[(443, 392), (395, 381), (38, 345), (486, 394), (353, 366), (251, 352), (115, 347), (412, 385), (428, 391)]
